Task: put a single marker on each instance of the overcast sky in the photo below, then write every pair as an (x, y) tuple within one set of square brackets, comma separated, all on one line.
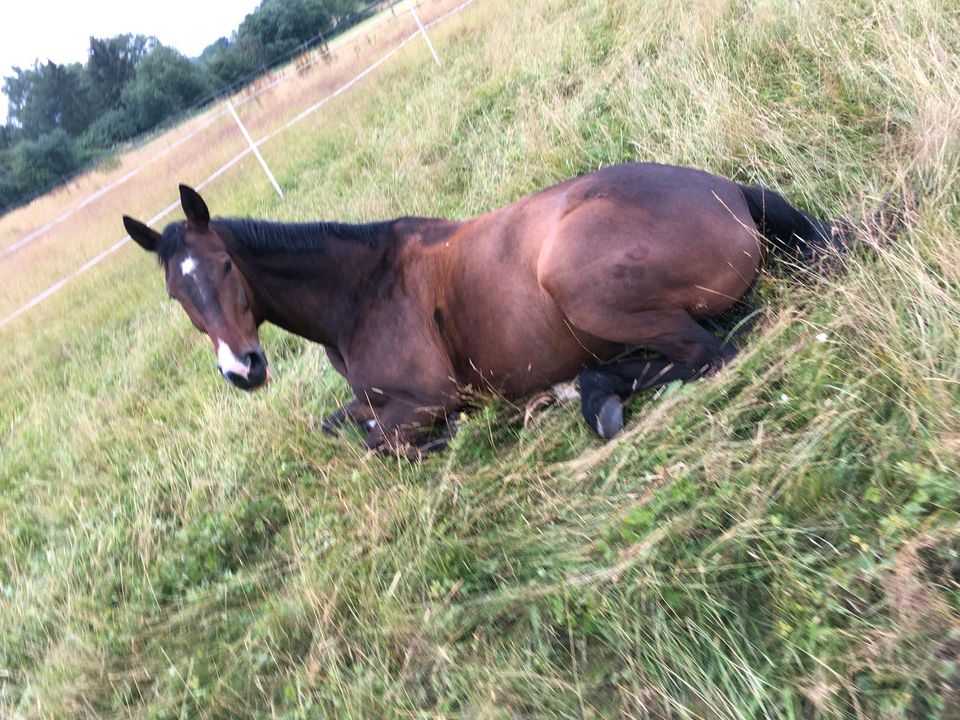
[(61, 30)]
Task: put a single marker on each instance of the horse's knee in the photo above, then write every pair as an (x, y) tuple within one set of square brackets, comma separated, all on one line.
[(354, 411), (402, 427)]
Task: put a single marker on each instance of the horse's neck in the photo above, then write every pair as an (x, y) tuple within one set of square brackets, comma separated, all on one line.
[(312, 293)]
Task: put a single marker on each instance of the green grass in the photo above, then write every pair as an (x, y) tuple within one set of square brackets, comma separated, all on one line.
[(779, 541)]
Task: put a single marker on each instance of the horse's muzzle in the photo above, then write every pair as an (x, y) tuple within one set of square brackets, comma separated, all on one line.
[(258, 372)]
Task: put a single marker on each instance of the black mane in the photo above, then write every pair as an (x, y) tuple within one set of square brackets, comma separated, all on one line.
[(266, 236)]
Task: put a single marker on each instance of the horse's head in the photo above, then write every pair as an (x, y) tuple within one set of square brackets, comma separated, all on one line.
[(202, 277)]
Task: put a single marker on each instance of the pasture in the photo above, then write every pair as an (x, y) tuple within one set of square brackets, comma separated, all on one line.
[(781, 540)]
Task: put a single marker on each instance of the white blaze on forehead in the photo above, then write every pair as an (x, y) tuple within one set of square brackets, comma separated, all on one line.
[(188, 265), (228, 362)]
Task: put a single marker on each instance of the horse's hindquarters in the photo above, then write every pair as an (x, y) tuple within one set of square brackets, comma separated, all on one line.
[(614, 257)]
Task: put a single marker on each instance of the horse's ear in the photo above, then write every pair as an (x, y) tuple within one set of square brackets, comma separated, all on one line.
[(146, 237), (194, 208)]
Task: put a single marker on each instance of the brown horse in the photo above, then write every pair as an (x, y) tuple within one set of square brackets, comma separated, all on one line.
[(414, 311)]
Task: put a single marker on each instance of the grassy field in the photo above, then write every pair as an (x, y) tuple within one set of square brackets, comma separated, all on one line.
[(779, 541)]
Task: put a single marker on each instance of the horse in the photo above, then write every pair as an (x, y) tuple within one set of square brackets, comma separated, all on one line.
[(415, 312)]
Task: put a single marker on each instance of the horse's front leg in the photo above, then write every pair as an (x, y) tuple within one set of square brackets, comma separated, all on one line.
[(336, 360), (402, 428), (354, 411)]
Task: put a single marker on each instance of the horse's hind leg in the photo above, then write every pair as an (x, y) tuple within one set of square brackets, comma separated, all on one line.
[(604, 387), (691, 350), (672, 333)]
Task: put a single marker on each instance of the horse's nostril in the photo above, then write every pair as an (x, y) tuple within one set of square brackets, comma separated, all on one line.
[(255, 361)]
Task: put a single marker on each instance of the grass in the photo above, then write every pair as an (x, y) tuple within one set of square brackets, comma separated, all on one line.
[(779, 541)]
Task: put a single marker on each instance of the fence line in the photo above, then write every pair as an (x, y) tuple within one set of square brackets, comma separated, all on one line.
[(70, 212), (66, 215), (416, 16), (36, 300), (253, 147)]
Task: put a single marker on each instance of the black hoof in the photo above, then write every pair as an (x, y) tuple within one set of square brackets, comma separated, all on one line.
[(334, 422), (610, 418)]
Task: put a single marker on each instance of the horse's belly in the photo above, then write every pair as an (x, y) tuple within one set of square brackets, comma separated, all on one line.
[(529, 350)]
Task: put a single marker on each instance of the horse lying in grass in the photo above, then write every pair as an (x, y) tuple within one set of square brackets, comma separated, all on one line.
[(413, 311)]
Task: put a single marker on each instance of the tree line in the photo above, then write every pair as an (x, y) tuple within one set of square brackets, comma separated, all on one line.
[(62, 118)]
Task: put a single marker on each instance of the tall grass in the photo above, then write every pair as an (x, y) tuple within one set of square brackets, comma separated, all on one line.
[(779, 541)]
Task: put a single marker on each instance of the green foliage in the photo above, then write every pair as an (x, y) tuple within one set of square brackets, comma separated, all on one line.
[(165, 83), (229, 61), (107, 131), (49, 97), (276, 27), (112, 64), (44, 161), (274, 30)]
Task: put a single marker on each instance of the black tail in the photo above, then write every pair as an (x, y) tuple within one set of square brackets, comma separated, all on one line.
[(792, 232)]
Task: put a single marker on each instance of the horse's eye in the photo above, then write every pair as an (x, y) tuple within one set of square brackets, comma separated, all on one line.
[(227, 265)]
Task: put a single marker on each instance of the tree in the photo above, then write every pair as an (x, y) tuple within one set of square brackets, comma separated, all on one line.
[(8, 136), (270, 34), (277, 27), (112, 63), (228, 61), (108, 130), (37, 164), (50, 96), (340, 9), (165, 83)]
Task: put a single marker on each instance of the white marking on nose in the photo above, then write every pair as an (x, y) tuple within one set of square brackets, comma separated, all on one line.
[(228, 362), (188, 265)]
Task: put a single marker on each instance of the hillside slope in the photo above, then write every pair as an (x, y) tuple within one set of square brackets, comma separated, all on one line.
[(779, 541)]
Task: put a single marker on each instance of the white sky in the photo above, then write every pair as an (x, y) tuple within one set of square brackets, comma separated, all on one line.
[(60, 30)]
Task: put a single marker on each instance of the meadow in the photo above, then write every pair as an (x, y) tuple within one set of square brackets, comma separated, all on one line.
[(781, 540)]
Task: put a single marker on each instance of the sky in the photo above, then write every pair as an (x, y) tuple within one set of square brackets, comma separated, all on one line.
[(61, 30)]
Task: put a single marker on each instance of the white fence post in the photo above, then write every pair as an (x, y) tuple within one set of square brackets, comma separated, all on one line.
[(423, 30), (253, 146)]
